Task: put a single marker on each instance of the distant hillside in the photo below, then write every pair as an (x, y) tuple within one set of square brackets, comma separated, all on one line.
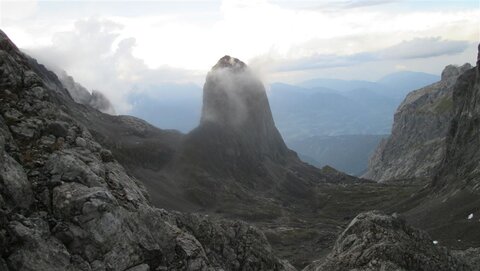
[(401, 83), (331, 107), (348, 153), (301, 113), (170, 106), (391, 84), (341, 85)]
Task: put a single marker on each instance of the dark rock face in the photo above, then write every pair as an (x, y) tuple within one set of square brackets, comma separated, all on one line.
[(417, 145), (235, 101), (461, 159), (236, 154), (449, 209), (375, 241), (67, 204)]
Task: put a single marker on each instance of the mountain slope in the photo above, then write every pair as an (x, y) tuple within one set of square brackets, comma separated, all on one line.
[(452, 214), (66, 204), (417, 144), (236, 155)]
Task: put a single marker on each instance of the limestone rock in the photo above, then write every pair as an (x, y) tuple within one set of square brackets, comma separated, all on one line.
[(375, 241), (417, 144), (14, 183)]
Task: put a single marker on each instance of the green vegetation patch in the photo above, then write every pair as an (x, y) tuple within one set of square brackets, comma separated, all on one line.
[(444, 105)]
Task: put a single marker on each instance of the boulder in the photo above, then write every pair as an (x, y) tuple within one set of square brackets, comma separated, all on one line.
[(376, 241)]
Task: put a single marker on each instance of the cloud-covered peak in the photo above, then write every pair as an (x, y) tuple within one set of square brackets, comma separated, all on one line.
[(230, 63)]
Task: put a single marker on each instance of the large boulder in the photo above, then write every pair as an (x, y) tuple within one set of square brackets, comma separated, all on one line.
[(376, 241)]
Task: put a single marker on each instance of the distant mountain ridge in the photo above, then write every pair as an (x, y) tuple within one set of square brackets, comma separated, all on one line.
[(173, 106), (347, 153), (330, 107), (392, 88)]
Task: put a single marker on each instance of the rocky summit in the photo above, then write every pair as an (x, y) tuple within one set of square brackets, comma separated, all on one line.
[(375, 241), (416, 147), (236, 155), (235, 101)]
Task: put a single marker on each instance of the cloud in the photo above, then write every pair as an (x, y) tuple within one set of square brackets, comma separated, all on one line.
[(424, 48), (97, 58), (125, 49), (17, 10), (413, 49), (367, 3)]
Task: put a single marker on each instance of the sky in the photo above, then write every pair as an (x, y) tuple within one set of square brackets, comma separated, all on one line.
[(120, 47)]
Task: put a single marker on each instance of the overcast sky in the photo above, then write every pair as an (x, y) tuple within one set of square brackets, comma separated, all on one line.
[(118, 46)]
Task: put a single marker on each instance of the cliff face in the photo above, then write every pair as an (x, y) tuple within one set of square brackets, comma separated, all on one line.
[(416, 146), (449, 210), (462, 158), (235, 102), (67, 204)]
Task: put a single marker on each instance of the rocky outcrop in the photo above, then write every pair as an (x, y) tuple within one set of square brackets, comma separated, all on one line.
[(81, 95), (417, 145), (375, 241), (461, 159), (235, 102), (448, 208), (67, 204), (236, 155)]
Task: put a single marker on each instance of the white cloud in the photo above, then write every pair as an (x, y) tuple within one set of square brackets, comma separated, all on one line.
[(248, 29), (90, 54), (412, 49), (119, 49), (423, 48), (17, 10)]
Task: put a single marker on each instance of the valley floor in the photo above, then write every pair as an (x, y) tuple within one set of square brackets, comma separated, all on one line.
[(302, 236)]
